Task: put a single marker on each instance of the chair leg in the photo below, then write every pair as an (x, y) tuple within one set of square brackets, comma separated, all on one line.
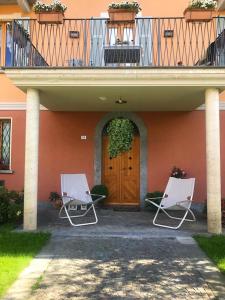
[(176, 218), (172, 227), (69, 217)]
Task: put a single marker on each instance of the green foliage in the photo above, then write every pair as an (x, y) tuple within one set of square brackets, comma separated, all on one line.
[(203, 4), (214, 247), (54, 196), (133, 5), (11, 206), (157, 201), (99, 189), (16, 252), (55, 6), (120, 132)]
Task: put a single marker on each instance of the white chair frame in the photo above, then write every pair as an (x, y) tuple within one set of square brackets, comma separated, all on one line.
[(70, 204), (179, 204)]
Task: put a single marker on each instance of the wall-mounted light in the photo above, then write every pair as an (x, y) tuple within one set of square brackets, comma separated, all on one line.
[(74, 34), (120, 101), (168, 33), (102, 98)]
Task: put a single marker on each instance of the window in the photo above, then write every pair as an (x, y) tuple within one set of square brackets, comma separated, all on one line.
[(128, 36), (8, 48), (5, 43), (112, 36), (5, 143)]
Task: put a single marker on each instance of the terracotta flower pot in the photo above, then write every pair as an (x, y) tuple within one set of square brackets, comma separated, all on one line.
[(57, 203), (116, 15), (198, 15), (50, 17)]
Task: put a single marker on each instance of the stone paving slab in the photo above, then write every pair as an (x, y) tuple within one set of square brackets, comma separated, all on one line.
[(115, 224), (122, 257), (123, 268)]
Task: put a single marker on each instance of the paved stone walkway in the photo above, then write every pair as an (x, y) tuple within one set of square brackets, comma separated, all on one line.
[(123, 257), (126, 269)]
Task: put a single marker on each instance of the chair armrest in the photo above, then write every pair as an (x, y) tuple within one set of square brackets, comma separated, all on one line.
[(97, 195), (100, 197), (66, 199), (154, 198), (184, 201)]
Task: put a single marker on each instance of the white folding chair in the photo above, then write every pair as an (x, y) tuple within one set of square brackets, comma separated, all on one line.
[(75, 192), (178, 195)]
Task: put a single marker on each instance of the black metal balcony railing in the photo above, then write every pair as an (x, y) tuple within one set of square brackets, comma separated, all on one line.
[(149, 42)]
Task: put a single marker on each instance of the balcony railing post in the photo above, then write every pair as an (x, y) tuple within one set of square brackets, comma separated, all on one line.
[(159, 43)]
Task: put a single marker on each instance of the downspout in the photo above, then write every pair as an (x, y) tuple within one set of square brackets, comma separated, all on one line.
[(24, 5), (221, 5)]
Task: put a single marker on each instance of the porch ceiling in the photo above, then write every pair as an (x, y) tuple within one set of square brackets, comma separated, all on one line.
[(143, 89)]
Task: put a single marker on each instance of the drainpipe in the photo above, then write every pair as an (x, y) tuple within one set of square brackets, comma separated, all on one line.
[(221, 5), (24, 5)]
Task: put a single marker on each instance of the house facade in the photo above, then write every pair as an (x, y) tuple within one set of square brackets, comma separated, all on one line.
[(61, 85)]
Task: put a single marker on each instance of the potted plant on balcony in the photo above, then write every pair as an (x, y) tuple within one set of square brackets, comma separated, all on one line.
[(200, 11), (49, 13), (124, 11)]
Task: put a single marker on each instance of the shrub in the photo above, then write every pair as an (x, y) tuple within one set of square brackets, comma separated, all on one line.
[(11, 206), (99, 189), (157, 201)]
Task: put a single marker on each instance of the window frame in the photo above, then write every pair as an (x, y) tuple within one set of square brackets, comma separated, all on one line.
[(10, 150)]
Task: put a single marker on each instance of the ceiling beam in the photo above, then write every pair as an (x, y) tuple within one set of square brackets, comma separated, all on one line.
[(24, 5)]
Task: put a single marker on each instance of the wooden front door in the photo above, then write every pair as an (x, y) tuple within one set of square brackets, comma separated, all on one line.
[(121, 175)]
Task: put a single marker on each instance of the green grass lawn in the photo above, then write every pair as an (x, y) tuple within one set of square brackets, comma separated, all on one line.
[(16, 252), (214, 247)]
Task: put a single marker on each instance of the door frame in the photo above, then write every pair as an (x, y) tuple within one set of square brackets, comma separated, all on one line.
[(143, 149)]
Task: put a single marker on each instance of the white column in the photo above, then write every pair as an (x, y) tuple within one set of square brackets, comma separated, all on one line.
[(31, 160), (213, 160)]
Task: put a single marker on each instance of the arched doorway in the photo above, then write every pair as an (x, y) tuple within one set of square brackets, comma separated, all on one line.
[(142, 144), (121, 174)]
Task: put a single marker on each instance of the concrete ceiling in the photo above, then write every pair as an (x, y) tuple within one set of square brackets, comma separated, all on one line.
[(138, 98), (142, 89)]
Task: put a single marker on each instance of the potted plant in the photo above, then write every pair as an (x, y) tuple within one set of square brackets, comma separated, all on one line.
[(124, 11), (99, 189), (200, 11), (178, 173), (49, 13), (56, 199)]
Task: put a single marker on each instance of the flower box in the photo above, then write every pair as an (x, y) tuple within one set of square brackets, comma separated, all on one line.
[(50, 17), (198, 15), (123, 15)]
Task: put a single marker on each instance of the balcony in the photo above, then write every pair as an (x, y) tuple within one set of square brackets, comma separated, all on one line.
[(98, 43), (154, 64)]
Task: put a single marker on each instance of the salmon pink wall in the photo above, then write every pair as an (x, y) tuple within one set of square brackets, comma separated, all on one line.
[(9, 92), (174, 138)]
